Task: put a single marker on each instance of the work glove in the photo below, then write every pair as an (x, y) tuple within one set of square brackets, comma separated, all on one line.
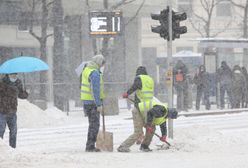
[(163, 138), (172, 113), (100, 109), (125, 95), (149, 129)]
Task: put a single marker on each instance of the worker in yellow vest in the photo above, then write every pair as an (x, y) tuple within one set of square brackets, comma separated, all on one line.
[(143, 87), (92, 94), (155, 114)]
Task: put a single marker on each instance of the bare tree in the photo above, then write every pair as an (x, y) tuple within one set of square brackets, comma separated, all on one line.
[(202, 23), (44, 6)]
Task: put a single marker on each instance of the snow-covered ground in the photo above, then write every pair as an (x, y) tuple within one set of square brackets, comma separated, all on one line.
[(50, 139)]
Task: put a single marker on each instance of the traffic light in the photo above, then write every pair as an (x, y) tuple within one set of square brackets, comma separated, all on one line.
[(163, 29), (177, 30)]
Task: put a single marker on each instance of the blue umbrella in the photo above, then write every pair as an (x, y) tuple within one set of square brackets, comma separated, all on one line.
[(23, 64)]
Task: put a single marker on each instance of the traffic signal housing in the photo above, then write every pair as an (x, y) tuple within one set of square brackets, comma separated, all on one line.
[(177, 30), (163, 28)]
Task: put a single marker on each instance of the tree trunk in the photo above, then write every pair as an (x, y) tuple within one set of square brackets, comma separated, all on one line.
[(61, 89), (43, 74)]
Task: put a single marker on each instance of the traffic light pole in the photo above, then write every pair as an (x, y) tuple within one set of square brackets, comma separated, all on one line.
[(169, 29), (169, 70)]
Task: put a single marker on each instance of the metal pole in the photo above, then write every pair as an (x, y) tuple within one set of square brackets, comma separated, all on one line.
[(50, 77), (169, 70)]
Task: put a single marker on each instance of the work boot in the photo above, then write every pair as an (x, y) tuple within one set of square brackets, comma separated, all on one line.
[(145, 148), (123, 149), (93, 150)]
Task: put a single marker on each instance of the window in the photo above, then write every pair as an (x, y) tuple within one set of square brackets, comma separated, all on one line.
[(185, 6), (9, 12), (223, 9), (24, 21)]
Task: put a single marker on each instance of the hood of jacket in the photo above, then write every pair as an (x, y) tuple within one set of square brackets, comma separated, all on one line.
[(141, 70), (202, 68), (236, 68), (97, 60), (180, 64)]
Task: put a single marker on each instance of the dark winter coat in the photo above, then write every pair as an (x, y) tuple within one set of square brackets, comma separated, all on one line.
[(224, 74), (244, 72), (180, 68), (137, 84), (202, 79), (9, 92), (238, 86), (156, 112)]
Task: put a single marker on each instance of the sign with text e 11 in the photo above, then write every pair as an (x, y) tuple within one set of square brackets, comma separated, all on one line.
[(105, 23)]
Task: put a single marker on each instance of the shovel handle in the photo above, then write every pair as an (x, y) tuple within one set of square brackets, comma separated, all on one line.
[(103, 122), (131, 100), (160, 137)]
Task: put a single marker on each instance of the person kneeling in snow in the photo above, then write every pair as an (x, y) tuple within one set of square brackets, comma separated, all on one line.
[(155, 113)]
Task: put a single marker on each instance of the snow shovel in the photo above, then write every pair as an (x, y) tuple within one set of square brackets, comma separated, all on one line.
[(162, 141), (164, 146), (104, 140)]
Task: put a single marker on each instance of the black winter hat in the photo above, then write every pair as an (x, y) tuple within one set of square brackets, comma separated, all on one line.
[(141, 70)]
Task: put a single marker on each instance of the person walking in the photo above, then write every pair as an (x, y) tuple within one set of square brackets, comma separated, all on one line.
[(156, 114), (224, 78), (181, 85), (11, 89), (202, 81), (143, 86), (92, 94)]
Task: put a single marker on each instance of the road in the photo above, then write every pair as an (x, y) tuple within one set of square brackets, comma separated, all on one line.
[(73, 136)]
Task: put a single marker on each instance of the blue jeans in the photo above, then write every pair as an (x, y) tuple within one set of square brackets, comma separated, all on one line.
[(11, 121)]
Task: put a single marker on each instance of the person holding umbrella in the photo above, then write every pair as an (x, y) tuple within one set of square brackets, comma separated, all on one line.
[(11, 88)]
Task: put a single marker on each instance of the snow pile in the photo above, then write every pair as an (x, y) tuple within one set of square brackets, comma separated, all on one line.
[(31, 116), (5, 150)]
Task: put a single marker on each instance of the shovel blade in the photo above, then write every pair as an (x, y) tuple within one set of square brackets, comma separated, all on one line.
[(104, 141)]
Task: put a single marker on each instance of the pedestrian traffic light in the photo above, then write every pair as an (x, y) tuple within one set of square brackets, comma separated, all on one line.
[(177, 30), (163, 28)]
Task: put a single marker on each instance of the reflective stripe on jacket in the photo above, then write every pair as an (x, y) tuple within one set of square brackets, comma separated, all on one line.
[(147, 91), (145, 106), (86, 88)]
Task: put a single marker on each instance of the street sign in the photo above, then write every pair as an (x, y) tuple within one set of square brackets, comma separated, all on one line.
[(105, 23), (169, 77)]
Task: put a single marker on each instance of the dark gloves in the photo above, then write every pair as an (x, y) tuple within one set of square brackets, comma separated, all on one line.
[(163, 138), (172, 113), (125, 95), (23, 94)]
